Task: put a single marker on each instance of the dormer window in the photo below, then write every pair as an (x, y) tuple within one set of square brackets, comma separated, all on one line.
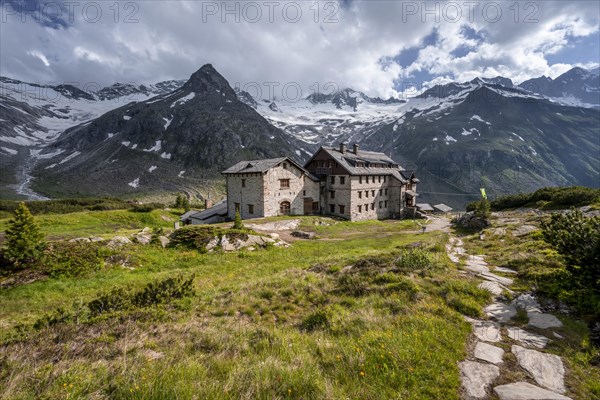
[(284, 165)]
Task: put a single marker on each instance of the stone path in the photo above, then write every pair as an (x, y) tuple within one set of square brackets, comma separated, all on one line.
[(484, 365)]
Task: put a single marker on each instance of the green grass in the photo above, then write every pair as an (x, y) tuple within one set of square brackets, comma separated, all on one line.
[(99, 223), (242, 335)]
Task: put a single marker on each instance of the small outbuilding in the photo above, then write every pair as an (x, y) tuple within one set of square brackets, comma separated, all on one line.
[(424, 207), (442, 208), (213, 215)]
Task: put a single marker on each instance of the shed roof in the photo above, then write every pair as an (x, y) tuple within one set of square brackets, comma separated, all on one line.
[(424, 207), (217, 209), (442, 207)]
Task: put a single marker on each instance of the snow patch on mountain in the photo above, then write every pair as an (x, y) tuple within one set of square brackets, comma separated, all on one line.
[(70, 157), (183, 100), (135, 183)]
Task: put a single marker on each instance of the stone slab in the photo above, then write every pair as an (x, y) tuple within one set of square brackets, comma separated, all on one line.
[(526, 391), (476, 377), (489, 353), (501, 312), (547, 369), (528, 338)]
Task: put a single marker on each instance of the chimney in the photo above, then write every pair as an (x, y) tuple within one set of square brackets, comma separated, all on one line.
[(355, 148), (342, 148)]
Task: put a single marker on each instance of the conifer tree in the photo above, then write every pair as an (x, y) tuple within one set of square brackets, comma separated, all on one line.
[(24, 241)]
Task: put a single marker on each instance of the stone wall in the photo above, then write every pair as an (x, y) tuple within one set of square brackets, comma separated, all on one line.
[(251, 194), (274, 194)]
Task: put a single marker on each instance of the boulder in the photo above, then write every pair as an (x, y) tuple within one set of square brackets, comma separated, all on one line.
[(303, 235), (118, 241), (96, 239), (164, 241), (476, 377), (543, 321), (80, 240), (142, 238), (524, 230), (526, 391), (547, 369), (471, 221)]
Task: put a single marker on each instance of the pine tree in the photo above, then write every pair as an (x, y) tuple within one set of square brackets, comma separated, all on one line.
[(24, 241), (185, 203), (237, 222), (179, 201)]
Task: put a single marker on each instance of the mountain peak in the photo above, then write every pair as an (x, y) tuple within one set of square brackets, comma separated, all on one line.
[(208, 80)]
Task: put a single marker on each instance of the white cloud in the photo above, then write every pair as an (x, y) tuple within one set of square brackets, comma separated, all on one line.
[(173, 39)]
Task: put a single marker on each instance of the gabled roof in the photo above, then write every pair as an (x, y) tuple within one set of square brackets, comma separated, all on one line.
[(260, 166), (254, 166), (348, 161)]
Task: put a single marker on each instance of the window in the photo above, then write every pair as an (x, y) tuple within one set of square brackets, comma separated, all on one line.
[(285, 183), (284, 165), (385, 202), (381, 192), (384, 178), (342, 180), (237, 207), (379, 180), (304, 193), (359, 194), (373, 193), (359, 208), (342, 209), (315, 206), (284, 208), (367, 179), (332, 208), (366, 207), (243, 183), (381, 204), (360, 179), (333, 180), (250, 208), (385, 192), (366, 193), (332, 194), (372, 206)]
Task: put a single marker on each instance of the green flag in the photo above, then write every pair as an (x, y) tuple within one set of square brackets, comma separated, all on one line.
[(483, 194)]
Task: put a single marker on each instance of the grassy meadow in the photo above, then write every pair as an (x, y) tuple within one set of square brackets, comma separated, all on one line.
[(275, 323)]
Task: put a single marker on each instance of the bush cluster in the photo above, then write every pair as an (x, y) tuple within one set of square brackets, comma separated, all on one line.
[(123, 299), (197, 236), (65, 259), (65, 206), (551, 197), (414, 259)]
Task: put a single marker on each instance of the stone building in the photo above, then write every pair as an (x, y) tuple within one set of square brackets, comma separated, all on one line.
[(353, 184), (265, 188)]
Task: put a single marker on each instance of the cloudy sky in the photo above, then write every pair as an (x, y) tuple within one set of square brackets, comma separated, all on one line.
[(379, 47)]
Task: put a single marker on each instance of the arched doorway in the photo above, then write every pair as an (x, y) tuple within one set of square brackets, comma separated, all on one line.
[(284, 208)]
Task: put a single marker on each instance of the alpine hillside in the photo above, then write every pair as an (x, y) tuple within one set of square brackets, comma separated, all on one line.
[(181, 139)]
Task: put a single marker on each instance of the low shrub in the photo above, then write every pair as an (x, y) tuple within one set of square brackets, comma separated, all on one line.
[(73, 259), (414, 259), (316, 320), (550, 197), (197, 237)]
